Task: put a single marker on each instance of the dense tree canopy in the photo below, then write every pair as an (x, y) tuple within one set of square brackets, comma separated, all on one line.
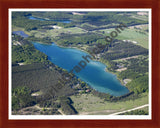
[(21, 97)]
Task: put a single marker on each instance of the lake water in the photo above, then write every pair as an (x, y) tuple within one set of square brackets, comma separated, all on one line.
[(94, 73), (41, 19), (20, 33)]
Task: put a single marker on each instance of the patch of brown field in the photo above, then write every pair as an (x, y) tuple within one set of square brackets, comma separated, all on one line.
[(121, 69), (127, 58), (139, 26)]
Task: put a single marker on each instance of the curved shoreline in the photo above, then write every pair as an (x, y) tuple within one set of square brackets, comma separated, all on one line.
[(54, 43), (121, 81)]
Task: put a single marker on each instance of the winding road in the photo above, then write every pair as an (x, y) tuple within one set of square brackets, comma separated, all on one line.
[(130, 109)]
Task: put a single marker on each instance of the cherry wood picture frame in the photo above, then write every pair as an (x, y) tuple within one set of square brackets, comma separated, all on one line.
[(5, 5)]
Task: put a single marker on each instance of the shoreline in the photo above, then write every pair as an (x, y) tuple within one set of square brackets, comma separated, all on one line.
[(121, 81)]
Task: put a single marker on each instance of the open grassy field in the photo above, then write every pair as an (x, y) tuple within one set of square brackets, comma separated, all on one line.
[(131, 34), (90, 104), (51, 33), (55, 32), (140, 17), (137, 16)]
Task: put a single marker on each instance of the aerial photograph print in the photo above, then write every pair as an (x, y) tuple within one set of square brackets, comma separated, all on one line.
[(81, 63)]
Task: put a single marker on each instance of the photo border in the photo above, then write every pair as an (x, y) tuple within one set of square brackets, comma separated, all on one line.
[(6, 123), (88, 117)]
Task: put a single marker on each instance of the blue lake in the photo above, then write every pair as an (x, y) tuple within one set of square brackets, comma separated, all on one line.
[(41, 19), (94, 72), (20, 33)]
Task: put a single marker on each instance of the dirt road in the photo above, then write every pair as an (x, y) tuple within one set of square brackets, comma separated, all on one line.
[(130, 109)]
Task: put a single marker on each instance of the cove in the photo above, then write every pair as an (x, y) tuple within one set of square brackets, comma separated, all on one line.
[(41, 19), (94, 72)]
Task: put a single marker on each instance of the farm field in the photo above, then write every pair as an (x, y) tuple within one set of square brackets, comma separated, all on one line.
[(90, 104), (140, 17), (55, 32), (131, 34), (51, 33)]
